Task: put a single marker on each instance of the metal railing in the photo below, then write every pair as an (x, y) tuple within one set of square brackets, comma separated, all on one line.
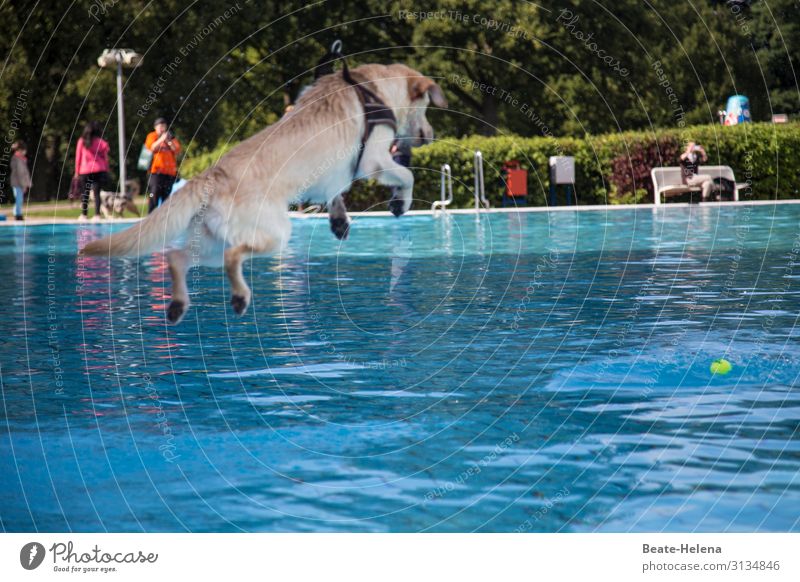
[(480, 190), (447, 190)]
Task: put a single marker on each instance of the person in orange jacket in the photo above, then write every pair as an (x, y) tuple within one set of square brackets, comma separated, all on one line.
[(163, 168)]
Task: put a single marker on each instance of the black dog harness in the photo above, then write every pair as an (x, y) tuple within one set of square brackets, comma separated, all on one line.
[(376, 112)]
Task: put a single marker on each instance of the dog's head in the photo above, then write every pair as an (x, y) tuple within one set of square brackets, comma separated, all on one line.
[(421, 91), (408, 93)]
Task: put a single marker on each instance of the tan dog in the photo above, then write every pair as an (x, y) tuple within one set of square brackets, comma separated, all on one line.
[(239, 207)]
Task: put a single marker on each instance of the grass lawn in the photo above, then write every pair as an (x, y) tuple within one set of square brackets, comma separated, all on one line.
[(62, 209)]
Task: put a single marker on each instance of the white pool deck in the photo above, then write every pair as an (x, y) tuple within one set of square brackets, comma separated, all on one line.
[(10, 222)]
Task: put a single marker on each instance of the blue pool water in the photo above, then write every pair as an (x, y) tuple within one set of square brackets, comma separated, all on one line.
[(520, 372)]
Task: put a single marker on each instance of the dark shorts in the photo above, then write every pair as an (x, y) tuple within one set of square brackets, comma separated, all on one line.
[(96, 180), (160, 185)]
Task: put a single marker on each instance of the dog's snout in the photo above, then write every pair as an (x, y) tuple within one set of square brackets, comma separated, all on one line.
[(426, 134)]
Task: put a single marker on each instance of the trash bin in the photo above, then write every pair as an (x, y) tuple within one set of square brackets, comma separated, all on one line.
[(562, 173), (516, 184)]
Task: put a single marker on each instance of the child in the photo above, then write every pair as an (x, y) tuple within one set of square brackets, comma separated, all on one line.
[(20, 176)]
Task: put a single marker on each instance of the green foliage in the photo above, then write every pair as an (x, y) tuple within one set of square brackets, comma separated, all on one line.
[(193, 165), (223, 69), (773, 28), (612, 168), (765, 153)]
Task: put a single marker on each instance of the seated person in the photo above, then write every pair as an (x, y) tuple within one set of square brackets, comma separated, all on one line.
[(690, 160)]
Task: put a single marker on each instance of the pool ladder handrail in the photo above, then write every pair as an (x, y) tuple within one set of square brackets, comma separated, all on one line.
[(480, 190), (446, 192)]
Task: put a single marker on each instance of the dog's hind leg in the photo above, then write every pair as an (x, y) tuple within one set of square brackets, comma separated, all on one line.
[(240, 292), (337, 215), (234, 256), (178, 261)]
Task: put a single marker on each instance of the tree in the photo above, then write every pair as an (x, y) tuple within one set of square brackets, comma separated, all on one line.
[(487, 59), (223, 69), (776, 40)]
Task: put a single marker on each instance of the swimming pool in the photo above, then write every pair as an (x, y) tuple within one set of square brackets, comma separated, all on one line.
[(544, 371)]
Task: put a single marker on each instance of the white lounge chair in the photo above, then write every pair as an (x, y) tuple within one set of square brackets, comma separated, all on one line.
[(667, 181)]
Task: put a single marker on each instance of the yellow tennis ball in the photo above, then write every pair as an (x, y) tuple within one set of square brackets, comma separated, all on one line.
[(721, 366)]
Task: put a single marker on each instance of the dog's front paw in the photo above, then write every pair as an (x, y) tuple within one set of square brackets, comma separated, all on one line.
[(340, 227), (176, 311), (239, 304), (397, 206)]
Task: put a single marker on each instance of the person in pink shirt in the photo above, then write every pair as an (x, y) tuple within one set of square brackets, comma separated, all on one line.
[(91, 165)]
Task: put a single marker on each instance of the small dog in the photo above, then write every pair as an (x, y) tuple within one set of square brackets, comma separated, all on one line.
[(112, 203), (238, 208)]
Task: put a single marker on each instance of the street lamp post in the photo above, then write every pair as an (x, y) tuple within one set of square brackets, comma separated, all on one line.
[(120, 58)]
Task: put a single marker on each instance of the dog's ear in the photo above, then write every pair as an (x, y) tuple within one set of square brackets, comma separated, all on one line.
[(418, 86), (437, 97)]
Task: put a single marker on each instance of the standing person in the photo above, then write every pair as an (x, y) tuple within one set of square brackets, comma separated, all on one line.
[(690, 162), (163, 168), (20, 176), (91, 166)]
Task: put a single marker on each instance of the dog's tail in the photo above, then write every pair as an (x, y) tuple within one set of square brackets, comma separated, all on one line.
[(156, 230)]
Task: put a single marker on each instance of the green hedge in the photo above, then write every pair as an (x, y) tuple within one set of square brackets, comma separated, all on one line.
[(615, 168), (610, 169), (193, 164)]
